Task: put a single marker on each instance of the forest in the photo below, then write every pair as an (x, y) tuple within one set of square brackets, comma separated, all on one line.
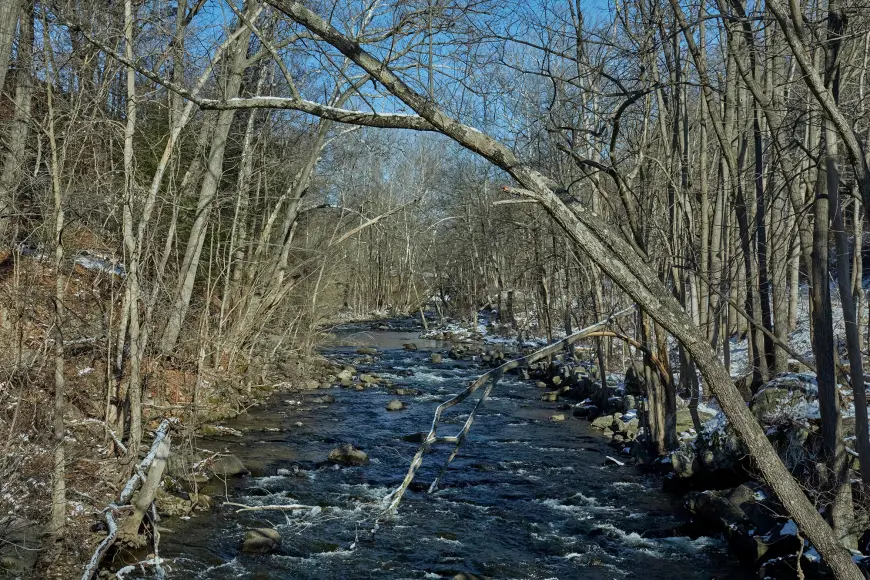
[(642, 219)]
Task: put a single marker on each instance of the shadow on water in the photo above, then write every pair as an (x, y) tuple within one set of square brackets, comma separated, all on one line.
[(526, 497)]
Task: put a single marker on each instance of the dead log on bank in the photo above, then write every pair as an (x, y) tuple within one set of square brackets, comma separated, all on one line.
[(154, 463)]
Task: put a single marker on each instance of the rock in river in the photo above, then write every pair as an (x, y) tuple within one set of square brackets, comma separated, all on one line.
[(261, 541), (395, 405), (348, 455), (324, 400), (228, 466), (436, 357)]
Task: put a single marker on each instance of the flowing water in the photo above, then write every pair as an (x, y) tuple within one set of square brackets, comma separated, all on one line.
[(525, 498)]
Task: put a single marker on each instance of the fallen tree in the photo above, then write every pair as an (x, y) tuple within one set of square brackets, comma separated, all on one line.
[(154, 463)]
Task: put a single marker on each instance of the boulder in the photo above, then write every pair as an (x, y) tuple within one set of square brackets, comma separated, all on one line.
[(395, 405), (345, 375), (603, 422), (261, 541), (228, 466), (436, 357), (369, 379), (324, 400), (410, 346), (20, 548), (557, 418), (787, 397), (181, 464), (348, 455), (367, 350), (172, 505), (746, 517), (629, 402)]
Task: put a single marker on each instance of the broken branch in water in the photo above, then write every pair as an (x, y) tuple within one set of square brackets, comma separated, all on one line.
[(488, 379), (255, 508)]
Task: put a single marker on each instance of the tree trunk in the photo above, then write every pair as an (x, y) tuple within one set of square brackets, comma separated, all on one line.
[(207, 196), (19, 130)]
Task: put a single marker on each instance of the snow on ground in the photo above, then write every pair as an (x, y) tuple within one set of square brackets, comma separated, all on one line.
[(799, 338)]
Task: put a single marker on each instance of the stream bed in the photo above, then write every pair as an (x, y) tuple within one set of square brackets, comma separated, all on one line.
[(525, 498)]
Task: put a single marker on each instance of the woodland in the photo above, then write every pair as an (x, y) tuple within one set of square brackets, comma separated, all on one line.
[(193, 190)]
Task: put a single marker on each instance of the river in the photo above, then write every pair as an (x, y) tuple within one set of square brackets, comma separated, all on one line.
[(525, 498)]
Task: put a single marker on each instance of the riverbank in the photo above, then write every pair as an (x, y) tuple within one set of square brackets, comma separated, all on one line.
[(526, 496)]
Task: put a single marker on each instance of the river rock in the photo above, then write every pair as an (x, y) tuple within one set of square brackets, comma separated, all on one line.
[(181, 464), (629, 402), (603, 422), (542, 385), (746, 517), (228, 466), (406, 392), (171, 505), (367, 350), (369, 379), (348, 455), (550, 397), (395, 405), (436, 357), (219, 430), (410, 346), (261, 541), (324, 400), (557, 418)]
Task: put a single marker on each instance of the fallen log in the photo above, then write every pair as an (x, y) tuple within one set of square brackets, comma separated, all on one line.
[(255, 508), (158, 453), (489, 380)]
